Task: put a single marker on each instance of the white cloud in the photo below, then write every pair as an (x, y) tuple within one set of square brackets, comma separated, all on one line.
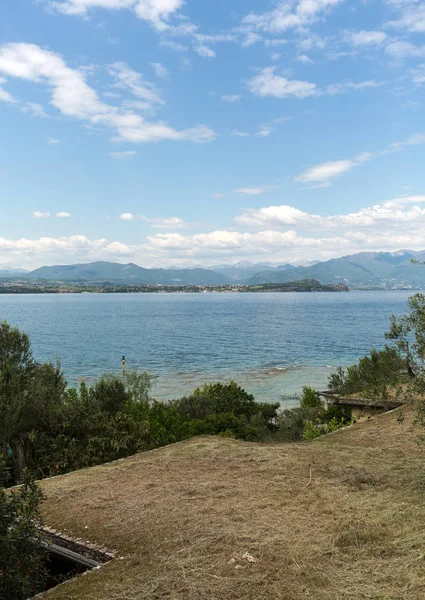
[(251, 39), (368, 38), (35, 109), (204, 51), (127, 78), (265, 131), (414, 140), (275, 43), (325, 171), (273, 216), (383, 218), (304, 59), (237, 133), (176, 46), (402, 49), (53, 141), (73, 97), (156, 222), (156, 12), (267, 83), (46, 215), (122, 155), (205, 248), (418, 74), (282, 233), (410, 104), (160, 70), (412, 16), (165, 222), (253, 191), (318, 186), (41, 215), (341, 88), (215, 38), (269, 244), (5, 96), (231, 98), (46, 250), (288, 15)]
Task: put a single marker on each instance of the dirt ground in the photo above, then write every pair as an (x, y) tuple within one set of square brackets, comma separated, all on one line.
[(337, 518)]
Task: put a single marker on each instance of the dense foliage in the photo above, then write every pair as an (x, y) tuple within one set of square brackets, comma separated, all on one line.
[(408, 335), (374, 375), (311, 419), (22, 557)]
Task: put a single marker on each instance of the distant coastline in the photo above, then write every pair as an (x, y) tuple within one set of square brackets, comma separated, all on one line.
[(59, 287)]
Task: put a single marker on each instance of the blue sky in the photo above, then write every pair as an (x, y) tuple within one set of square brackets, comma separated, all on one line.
[(171, 132)]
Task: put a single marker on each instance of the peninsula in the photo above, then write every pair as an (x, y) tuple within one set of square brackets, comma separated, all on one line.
[(105, 287)]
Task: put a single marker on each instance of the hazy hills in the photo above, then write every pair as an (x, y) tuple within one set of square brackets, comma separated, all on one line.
[(130, 273), (387, 270), (365, 269)]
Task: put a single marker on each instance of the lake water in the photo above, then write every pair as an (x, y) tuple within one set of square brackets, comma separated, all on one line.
[(272, 344)]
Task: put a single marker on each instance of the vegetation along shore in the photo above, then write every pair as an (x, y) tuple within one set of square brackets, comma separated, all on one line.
[(59, 287)]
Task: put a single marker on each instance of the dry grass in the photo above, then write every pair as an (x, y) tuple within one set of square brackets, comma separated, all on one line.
[(219, 519)]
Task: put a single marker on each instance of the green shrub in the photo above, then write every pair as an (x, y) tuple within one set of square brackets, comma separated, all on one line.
[(22, 557), (373, 375), (312, 431)]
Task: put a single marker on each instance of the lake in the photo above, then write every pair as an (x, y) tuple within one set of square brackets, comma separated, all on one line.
[(270, 343)]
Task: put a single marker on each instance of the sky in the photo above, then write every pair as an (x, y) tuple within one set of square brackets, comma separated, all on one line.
[(187, 132)]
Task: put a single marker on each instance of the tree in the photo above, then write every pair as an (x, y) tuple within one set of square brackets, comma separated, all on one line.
[(31, 396), (373, 375), (139, 386), (311, 404), (22, 557), (110, 395), (218, 398), (408, 334)]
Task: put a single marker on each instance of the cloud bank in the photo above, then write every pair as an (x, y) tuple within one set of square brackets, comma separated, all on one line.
[(274, 233)]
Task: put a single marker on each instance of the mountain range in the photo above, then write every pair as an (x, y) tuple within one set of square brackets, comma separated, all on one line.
[(385, 270)]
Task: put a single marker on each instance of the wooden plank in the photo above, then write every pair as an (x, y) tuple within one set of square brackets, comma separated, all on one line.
[(70, 555)]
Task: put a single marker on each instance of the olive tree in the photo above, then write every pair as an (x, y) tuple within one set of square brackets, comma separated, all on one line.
[(31, 396), (22, 556)]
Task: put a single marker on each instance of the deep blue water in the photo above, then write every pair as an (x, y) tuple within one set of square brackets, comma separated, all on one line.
[(272, 344)]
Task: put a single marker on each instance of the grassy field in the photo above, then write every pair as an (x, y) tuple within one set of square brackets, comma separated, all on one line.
[(338, 518)]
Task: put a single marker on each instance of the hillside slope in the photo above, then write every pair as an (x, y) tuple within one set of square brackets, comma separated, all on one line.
[(129, 273), (365, 269), (339, 518)]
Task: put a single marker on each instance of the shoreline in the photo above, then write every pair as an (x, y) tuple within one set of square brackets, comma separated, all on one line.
[(60, 287)]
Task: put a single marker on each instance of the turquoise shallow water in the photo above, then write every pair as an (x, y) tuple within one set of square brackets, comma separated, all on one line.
[(272, 344)]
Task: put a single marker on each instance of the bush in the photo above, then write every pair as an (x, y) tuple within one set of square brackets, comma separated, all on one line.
[(312, 431), (217, 398), (311, 405), (290, 425), (373, 375), (22, 557), (220, 398)]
